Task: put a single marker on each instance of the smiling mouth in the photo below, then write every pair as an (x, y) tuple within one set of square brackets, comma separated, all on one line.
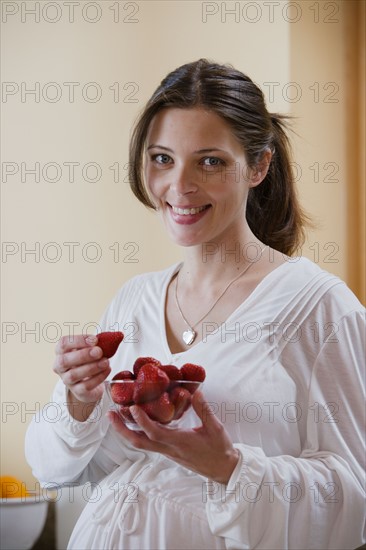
[(189, 211)]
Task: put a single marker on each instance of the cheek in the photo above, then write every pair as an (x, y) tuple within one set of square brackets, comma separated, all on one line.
[(152, 184), (230, 191)]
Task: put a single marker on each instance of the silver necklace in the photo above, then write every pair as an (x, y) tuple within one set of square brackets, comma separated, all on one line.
[(189, 335)]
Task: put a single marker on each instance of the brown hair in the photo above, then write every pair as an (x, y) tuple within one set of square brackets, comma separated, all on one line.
[(273, 211)]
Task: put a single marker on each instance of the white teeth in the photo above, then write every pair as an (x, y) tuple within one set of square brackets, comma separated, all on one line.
[(186, 211)]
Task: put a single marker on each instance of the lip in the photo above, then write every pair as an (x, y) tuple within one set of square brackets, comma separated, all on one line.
[(188, 219)]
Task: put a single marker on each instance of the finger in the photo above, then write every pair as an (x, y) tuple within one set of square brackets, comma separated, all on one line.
[(65, 361), (157, 432), (205, 412), (75, 341), (89, 384), (88, 397), (150, 427), (78, 374)]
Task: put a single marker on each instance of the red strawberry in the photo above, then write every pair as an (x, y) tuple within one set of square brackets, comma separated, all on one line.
[(172, 372), (150, 383), (161, 409), (141, 361), (193, 372), (124, 375), (109, 342), (122, 392), (181, 399)]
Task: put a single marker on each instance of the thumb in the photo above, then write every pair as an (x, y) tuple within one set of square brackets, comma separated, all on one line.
[(205, 411)]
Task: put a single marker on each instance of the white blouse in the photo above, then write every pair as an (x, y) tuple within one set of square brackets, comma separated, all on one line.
[(285, 375)]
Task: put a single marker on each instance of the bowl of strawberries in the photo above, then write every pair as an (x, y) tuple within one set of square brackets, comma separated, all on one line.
[(164, 392)]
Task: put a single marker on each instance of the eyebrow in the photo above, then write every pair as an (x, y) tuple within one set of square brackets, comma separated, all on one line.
[(199, 151)]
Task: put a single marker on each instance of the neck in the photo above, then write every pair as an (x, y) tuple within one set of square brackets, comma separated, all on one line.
[(214, 262)]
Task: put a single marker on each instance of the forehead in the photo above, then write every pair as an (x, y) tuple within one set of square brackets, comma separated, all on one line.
[(195, 128)]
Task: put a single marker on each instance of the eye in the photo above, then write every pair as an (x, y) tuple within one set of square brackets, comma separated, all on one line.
[(212, 162), (161, 158)]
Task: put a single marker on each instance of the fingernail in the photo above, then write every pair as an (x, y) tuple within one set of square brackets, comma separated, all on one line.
[(103, 364), (134, 411), (95, 352), (91, 340)]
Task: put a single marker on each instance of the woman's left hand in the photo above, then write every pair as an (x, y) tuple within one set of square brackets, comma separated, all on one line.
[(206, 450)]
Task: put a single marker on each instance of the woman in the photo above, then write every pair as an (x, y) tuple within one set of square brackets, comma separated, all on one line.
[(276, 460)]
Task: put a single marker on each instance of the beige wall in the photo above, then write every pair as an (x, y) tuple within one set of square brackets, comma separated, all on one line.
[(46, 296), (327, 65)]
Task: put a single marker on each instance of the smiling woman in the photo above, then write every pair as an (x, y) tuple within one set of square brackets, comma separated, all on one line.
[(277, 431), (238, 106), (190, 189)]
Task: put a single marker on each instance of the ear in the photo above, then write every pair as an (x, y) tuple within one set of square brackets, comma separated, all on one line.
[(259, 172)]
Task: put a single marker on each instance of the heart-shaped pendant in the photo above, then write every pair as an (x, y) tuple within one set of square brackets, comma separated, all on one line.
[(188, 337)]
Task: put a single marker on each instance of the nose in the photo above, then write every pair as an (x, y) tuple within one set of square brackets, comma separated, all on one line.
[(183, 181)]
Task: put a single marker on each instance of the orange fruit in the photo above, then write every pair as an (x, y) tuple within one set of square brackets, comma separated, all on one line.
[(12, 487)]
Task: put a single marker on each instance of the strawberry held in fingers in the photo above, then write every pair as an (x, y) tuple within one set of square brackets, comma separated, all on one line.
[(109, 342)]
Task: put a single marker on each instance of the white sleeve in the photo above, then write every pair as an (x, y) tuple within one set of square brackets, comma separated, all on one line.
[(315, 500), (59, 448), (62, 450)]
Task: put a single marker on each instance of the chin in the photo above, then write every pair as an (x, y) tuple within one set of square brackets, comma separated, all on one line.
[(186, 240), (181, 237), (181, 241)]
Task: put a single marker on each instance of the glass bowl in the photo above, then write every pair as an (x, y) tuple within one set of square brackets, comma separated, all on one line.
[(167, 406)]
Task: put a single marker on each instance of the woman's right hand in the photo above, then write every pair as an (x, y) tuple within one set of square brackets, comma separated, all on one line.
[(82, 368)]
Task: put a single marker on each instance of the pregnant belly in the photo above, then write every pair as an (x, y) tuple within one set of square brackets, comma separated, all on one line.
[(155, 505)]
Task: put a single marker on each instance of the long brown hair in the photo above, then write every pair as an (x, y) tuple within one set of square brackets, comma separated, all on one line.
[(273, 211)]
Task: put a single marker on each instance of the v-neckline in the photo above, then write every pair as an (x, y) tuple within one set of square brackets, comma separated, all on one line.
[(162, 319)]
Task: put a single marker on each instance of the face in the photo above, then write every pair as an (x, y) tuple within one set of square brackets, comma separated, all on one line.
[(197, 176)]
